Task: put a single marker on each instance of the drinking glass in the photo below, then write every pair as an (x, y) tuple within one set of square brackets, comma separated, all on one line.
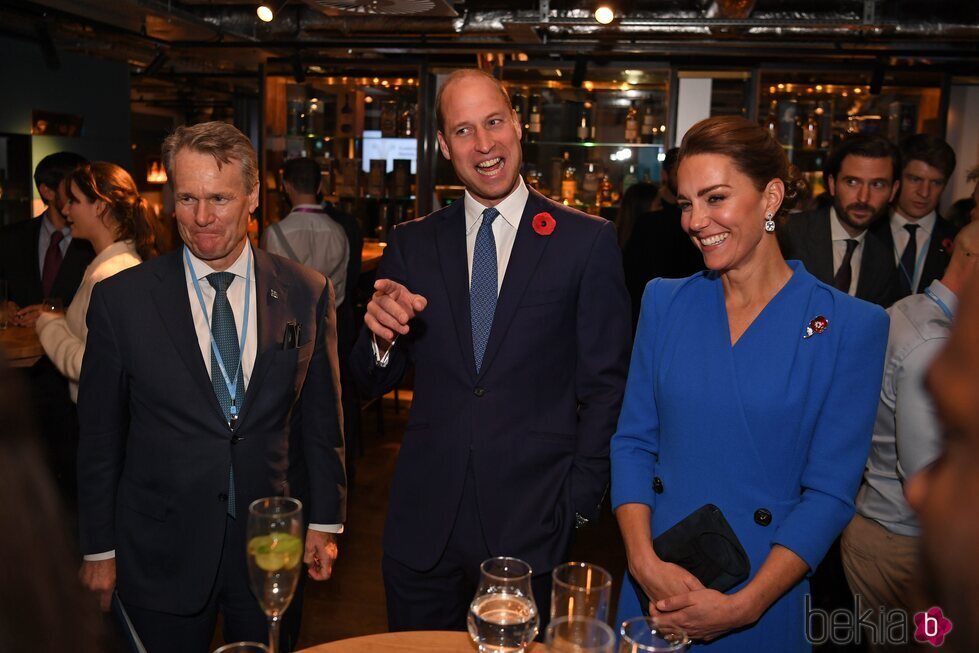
[(275, 555), (577, 634), (503, 615), (640, 635), (4, 313), (243, 647), (580, 588)]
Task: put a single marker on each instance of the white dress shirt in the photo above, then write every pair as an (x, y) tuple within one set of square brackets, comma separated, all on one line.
[(840, 236), (922, 237)]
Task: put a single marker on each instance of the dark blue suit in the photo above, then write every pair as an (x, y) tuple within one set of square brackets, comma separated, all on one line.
[(525, 440), (155, 447)]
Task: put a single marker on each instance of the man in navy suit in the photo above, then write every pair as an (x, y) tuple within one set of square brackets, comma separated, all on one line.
[(210, 380), (836, 243), (514, 312)]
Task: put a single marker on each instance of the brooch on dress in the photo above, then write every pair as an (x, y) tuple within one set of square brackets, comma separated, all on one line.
[(816, 325)]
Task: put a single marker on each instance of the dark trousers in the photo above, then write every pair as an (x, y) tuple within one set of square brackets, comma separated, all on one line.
[(231, 596), (439, 598)]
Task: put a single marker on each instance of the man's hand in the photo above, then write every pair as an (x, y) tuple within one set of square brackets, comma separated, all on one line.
[(24, 317), (390, 309), (99, 576), (321, 553)]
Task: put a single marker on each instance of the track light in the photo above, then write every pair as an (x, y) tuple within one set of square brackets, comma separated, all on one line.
[(266, 13), (604, 14)]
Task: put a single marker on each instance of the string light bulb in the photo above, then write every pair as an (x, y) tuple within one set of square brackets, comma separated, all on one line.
[(264, 13), (604, 15)]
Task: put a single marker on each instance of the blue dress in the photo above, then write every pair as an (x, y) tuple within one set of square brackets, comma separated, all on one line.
[(776, 422)]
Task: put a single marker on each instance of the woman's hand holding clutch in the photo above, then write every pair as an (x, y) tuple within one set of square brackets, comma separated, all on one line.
[(703, 614), (661, 580)]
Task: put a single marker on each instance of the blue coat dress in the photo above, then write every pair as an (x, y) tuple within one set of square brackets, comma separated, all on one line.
[(777, 422)]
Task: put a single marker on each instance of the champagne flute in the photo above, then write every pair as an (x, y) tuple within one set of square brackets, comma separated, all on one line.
[(580, 589), (578, 634), (503, 615), (641, 635), (275, 555)]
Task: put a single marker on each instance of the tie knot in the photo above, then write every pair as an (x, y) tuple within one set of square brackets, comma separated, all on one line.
[(489, 215), (220, 280), (851, 244), (56, 238), (911, 228)]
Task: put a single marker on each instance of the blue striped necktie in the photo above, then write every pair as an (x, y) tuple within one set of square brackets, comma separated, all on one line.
[(484, 284), (226, 338)]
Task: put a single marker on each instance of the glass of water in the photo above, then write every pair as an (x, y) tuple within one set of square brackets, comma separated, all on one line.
[(579, 634), (503, 615), (641, 635), (580, 589)]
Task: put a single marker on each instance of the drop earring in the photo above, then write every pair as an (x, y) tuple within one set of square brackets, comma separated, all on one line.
[(769, 222)]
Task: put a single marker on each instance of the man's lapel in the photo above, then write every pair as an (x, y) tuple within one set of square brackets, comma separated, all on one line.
[(450, 240), (527, 249), (821, 237), (271, 306), (173, 305), (938, 255)]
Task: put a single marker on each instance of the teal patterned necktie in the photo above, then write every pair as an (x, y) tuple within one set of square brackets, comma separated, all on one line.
[(484, 284)]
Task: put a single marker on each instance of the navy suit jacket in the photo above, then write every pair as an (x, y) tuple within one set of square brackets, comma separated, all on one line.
[(534, 424), (807, 237), (20, 266), (155, 448), (936, 260)]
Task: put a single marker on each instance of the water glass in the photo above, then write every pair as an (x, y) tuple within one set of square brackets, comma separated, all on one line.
[(579, 634), (243, 647), (641, 635), (503, 615), (580, 589)]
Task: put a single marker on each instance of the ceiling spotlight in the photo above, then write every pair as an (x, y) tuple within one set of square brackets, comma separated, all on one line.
[(604, 14), (265, 13)]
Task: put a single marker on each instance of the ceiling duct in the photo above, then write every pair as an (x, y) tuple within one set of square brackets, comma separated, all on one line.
[(383, 7)]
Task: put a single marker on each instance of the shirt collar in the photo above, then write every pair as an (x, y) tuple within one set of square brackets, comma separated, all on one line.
[(837, 230), (510, 207), (239, 268), (948, 297), (927, 223), (48, 227)]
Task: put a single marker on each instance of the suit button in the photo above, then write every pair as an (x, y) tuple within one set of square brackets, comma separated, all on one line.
[(235, 439), (763, 517), (222, 497), (658, 485), (479, 392)]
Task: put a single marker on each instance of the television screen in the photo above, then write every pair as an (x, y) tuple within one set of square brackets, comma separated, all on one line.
[(376, 147)]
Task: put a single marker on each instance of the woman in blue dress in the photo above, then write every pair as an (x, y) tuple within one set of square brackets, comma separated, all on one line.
[(752, 387)]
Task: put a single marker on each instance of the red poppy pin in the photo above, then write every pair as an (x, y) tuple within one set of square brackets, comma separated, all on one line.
[(544, 224), (816, 325), (948, 245)]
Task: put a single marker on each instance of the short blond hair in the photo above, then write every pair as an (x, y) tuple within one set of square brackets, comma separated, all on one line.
[(219, 139)]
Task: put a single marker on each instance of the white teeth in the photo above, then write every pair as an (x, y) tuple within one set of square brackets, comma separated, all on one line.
[(490, 163), (713, 240)]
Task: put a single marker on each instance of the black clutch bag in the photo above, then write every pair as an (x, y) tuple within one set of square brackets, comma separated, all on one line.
[(704, 544)]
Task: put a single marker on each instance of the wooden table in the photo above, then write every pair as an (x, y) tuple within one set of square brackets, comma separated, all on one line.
[(20, 345), (430, 641), (371, 255)]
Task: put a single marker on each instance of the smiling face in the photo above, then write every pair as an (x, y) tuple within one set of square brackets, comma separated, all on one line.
[(862, 190), (921, 188), (84, 215), (722, 211), (212, 207), (481, 137)]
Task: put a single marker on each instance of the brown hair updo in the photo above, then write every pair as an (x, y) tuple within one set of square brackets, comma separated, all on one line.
[(754, 152), (101, 180)]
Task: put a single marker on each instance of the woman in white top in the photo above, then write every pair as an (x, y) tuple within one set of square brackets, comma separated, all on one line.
[(105, 209)]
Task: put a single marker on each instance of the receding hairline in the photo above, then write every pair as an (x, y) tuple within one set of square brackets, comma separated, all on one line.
[(459, 75)]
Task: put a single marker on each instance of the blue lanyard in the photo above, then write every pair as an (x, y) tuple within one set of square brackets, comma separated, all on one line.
[(232, 382), (942, 305), (918, 262)]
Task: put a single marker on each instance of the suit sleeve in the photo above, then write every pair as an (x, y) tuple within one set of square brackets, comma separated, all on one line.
[(321, 421), (841, 439), (103, 404), (635, 445), (604, 325), (371, 379)]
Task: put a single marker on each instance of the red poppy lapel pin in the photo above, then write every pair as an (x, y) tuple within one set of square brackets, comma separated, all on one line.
[(948, 246), (544, 223), (816, 325)]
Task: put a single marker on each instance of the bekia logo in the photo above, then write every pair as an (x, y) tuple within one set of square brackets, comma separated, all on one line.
[(931, 627)]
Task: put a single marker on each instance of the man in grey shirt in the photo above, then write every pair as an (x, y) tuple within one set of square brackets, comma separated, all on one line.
[(308, 235), (880, 547)]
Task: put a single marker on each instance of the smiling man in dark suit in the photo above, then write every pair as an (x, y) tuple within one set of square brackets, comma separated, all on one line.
[(837, 244), (209, 381), (514, 311)]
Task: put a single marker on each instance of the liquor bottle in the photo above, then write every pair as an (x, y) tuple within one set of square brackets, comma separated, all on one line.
[(517, 101), (406, 121), (810, 133), (584, 123), (533, 177), (605, 192), (589, 185), (646, 132), (771, 120), (533, 120), (569, 184), (389, 119), (629, 179), (632, 125)]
